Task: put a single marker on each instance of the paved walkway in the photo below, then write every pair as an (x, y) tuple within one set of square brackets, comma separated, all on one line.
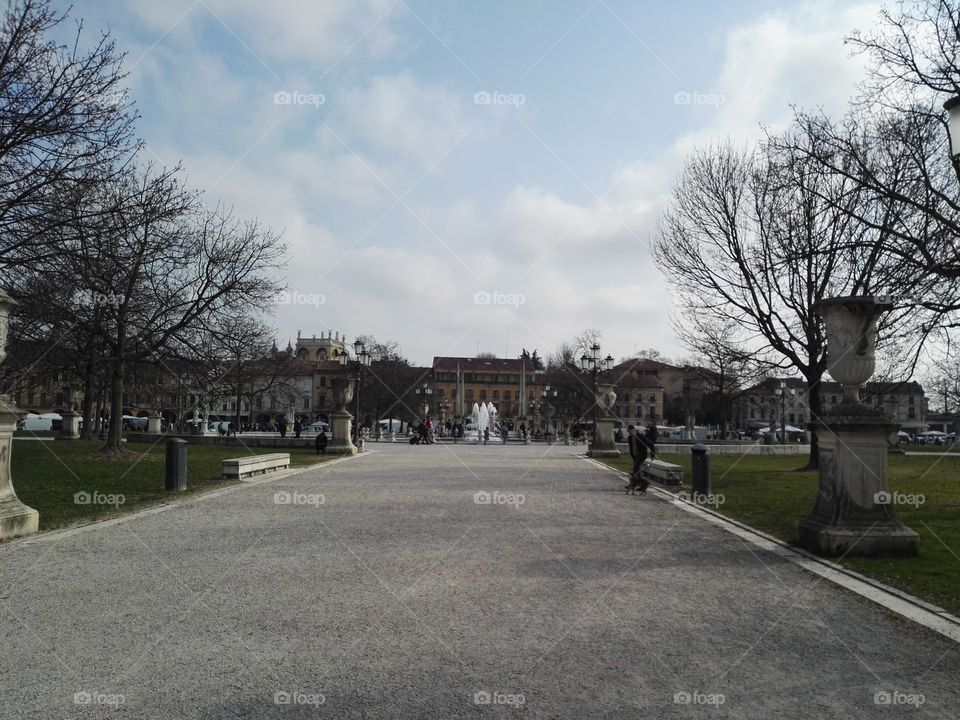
[(405, 594)]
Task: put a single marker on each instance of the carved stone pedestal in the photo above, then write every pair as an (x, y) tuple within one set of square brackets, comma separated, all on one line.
[(341, 421), (70, 427), (854, 513), (16, 519)]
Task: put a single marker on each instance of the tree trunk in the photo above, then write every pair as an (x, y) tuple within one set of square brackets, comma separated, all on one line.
[(88, 406), (816, 409), (115, 433)]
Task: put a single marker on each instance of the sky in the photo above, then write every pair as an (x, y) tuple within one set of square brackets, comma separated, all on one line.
[(459, 176)]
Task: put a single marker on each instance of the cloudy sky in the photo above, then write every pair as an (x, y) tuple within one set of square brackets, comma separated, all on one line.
[(456, 174)]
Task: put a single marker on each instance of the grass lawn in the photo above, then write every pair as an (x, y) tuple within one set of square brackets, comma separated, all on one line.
[(47, 475), (767, 493)]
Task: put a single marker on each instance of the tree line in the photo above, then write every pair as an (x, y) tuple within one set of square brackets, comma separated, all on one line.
[(864, 204), (117, 265)]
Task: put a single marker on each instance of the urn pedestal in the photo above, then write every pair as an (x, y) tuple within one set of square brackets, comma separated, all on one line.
[(16, 519), (604, 444), (341, 421), (853, 513), (155, 424), (70, 426)]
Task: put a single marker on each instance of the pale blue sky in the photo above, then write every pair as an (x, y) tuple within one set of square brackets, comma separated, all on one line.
[(402, 198)]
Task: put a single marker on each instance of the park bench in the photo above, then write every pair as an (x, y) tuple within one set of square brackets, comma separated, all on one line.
[(244, 468), (662, 472)]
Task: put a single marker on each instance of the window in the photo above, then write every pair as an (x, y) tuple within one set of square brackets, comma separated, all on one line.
[(652, 398), (321, 354), (439, 392), (911, 413), (323, 381), (302, 353), (791, 419), (496, 394), (910, 400), (506, 394), (483, 394), (469, 393), (306, 403), (833, 399), (653, 411), (639, 410)]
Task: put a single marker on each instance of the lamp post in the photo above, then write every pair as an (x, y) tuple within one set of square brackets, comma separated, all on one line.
[(546, 396), (604, 397), (424, 392), (362, 360), (592, 364)]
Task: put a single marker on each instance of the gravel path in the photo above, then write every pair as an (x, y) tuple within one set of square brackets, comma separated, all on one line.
[(386, 587)]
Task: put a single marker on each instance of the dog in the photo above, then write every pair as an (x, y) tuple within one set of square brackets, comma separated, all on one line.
[(637, 481)]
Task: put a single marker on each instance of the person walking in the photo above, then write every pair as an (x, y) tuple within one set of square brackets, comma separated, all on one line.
[(282, 425), (297, 428), (640, 447)]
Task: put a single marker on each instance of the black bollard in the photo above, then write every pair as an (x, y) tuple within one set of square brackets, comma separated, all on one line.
[(176, 468), (701, 471)]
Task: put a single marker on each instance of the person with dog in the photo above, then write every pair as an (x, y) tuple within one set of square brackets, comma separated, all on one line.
[(640, 446)]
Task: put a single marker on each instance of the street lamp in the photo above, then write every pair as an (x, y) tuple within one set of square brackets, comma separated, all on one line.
[(781, 392), (594, 365), (952, 106), (546, 396), (425, 391), (363, 359)]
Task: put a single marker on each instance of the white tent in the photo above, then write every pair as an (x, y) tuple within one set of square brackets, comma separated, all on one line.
[(790, 429)]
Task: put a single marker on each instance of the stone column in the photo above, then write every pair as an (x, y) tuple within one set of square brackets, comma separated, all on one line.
[(16, 519), (341, 421), (853, 513), (155, 424), (604, 444), (70, 427)]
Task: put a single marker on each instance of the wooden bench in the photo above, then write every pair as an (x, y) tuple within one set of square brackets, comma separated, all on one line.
[(244, 468), (662, 472)]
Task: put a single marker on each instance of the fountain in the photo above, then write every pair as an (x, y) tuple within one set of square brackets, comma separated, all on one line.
[(853, 513), (482, 417)]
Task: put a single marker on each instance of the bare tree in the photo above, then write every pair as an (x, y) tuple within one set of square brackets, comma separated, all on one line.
[(65, 121), (749, 239)]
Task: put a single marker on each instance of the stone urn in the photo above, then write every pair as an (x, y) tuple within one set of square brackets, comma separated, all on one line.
[(16, 519), (603, 444), (853, 513), (851, 330), (606, 399), (342, 393), (341, 425)]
